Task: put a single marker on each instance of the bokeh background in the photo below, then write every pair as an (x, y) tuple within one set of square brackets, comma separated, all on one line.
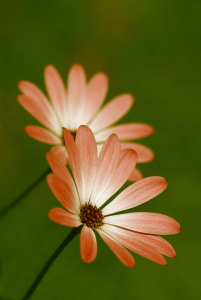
[(149, 48)]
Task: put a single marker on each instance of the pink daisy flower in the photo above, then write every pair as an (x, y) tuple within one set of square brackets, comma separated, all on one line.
[(95, 180), (80, 104)]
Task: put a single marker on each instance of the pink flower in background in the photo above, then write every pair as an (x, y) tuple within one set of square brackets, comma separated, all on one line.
[(96, 179), (80, 104)]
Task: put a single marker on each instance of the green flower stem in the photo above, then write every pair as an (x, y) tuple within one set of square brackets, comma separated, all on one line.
[(67, 240), (25, 193)]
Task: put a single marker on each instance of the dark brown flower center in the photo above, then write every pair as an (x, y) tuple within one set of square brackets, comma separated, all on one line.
[(91, 215), (73, 133)]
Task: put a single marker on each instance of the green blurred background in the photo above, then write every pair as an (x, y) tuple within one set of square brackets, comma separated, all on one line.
[(149, 48)]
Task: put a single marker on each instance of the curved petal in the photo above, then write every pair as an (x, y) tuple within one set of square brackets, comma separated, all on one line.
[(63, 217), (144, 153), (96, 91), (38, 102), (60, 169), (75, 163), (126, 132), (38, 112), (57, 92), (122, 253), (128, 240), (42, 135), (112, 112), (88, 244), (145, 222), (64, 192), (156, 242), (127, 161), (135, 175), (76, 94), (87, 149), (136, 194), (61, 152), (107, 165)]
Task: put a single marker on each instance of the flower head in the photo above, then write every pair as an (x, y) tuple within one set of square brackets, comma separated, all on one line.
[(95, 180), (80, 104)]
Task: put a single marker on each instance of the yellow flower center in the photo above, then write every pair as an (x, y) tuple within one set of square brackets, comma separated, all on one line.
[(91, 215)]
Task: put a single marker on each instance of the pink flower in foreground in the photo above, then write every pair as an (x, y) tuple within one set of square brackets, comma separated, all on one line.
[(80, 104), (96, 179)]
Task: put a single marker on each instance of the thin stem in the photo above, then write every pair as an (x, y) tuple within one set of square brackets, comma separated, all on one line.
[(71, 235), (25, 193)]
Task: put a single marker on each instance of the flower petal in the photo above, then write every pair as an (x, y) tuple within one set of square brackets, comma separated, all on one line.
[(37, 111), (112, 112), (63, 217), (135, 175), (127, 161), (37, 104), (136, 194), (64, 192), (144, 153), (57, 92), (99, 148), (75, 163), (61, 152), (126, 132), (76, 94), (87, 149), (155, 241), (128, 240), (107, 165), (122, 253), (96, 91), (145, 222), (88, 244), (60, 169), (42, 135)]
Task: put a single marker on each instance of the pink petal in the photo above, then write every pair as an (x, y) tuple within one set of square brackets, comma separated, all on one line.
[(57, 92), (107, 165), (122, 253), (87, 149), (76, 94), (63, 217), (60, 169), (152, 223), (128, 240), (95, 94), (126, 132), (136, 194), (38, 112), (61, 152), (154, 241), (37, 105), (88, 244), (144, 153), (127, 161), (42, 135), (135, 175), (75, 163), (64, 192), (112, 112)]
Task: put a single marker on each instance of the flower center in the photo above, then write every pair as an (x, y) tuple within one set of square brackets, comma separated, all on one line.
[(91, 215), (73, 133)]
